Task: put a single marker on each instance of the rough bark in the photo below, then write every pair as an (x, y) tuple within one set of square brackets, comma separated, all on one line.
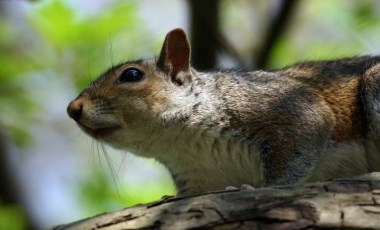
[(345, 203)]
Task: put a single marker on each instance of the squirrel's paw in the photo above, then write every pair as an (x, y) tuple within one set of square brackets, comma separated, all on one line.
[(246, 187), (242, 187), (231, 188)]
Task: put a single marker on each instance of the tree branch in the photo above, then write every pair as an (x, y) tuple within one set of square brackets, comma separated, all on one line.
[(204, 24), (275, 31), (343, 203)]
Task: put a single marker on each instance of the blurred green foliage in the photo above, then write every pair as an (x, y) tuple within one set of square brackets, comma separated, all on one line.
[(15, 105), (332, 29), (78, 43), (64, 43), (12, 217), (79, 46), (102, 194), (58, 41)]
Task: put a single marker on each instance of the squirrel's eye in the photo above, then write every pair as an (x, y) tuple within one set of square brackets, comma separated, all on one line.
[(131, 75)]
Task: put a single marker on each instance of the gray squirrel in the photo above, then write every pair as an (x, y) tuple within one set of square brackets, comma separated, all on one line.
[(308, 122)]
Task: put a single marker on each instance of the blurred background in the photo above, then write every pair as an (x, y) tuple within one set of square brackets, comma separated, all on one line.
[(52, 173)]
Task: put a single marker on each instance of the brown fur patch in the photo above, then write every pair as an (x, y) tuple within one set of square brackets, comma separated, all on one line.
[(344, 101), (342, 96)]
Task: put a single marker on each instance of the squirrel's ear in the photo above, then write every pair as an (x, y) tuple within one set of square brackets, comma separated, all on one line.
[(174, 58)]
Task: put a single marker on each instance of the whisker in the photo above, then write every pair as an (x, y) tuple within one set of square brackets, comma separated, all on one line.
[(78, 134), (122, 164), (112, 169), (92, 152), (111, 51), (99, 159), (88, 70)]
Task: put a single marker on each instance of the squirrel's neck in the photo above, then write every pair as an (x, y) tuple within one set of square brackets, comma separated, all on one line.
[(202, 160)]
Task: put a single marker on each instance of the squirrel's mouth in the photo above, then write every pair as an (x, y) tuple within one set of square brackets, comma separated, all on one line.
[(99, 133)]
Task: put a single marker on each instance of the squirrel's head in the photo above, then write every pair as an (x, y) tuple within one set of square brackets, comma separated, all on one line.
[(123, 105)]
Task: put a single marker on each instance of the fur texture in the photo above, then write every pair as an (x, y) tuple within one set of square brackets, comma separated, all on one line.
[(307, 122)]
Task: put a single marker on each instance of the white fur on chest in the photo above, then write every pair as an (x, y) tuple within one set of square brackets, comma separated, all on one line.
[(201, 161)]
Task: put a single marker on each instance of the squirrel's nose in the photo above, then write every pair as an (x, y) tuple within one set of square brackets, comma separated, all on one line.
[(74, 109)]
